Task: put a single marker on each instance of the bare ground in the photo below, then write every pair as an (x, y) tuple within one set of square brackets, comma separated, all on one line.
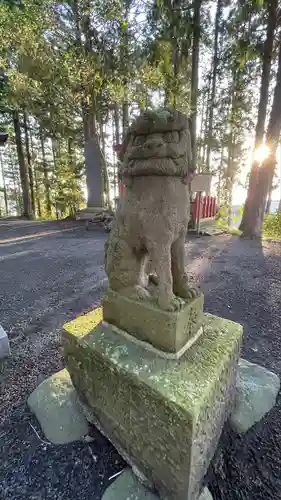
[(52, 278)]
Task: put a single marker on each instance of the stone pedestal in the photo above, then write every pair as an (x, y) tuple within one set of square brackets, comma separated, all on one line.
[(4, 344), (167, 331), (164, 416)]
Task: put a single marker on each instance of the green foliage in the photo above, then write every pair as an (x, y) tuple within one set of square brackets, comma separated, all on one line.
[(67, 185), (223, 217), (228, 229), (272, 226), (13, 3), (223, 213), (67, 65)]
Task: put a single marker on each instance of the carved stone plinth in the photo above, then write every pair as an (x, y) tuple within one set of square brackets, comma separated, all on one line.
[(164, 416), (168, 331)]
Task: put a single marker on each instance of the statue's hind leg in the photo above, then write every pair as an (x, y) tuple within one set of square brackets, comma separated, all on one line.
[(181, 287), (124, 266), (161, 261)]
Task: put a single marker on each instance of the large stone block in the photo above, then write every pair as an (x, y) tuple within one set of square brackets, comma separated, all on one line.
[(4, 344), (54, 403), (167, 331), (164, 416), (256, 392)]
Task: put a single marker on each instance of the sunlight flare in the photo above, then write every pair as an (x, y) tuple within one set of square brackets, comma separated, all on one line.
[(261, 153)]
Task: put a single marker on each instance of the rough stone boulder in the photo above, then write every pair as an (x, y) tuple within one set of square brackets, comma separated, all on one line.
[(54, 403)]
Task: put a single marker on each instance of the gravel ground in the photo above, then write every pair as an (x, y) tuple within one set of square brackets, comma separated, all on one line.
[(51, 278)]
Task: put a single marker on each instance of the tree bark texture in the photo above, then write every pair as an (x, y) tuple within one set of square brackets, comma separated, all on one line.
[(27, 210), (37, 194), (250, 208), (4, 185), (46, 176), (194, 77), (29, 163), (253, 221), (214, 80)]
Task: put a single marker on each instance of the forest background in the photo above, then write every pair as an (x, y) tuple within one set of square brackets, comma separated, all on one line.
[(85, 68)]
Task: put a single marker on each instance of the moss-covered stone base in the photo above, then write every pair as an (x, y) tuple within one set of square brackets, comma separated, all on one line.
[(168, 331), (165, 415)]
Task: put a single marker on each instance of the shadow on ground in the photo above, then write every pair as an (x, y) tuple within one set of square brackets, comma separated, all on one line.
[(243, 283)]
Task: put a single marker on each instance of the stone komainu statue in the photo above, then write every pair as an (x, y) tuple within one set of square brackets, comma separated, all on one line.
[(152, 216)]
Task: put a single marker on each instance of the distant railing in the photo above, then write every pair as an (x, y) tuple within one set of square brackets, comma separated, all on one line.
[(121, 188), (208, 205), (206, 208)]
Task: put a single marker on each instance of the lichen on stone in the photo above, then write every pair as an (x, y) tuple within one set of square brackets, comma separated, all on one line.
[(84, 323), (203, 362), (164, 415)]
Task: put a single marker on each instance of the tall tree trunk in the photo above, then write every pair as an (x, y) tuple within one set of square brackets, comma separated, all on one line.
[(105, 180), (4, 185), (266, 66), (88, 105), (16, 183), (268, 201), (250, 204), (102, 136), (37, 194), (201, 133), (220, 178), (252, 226), (104, 169), (125, 57), (77, 21), (166, 95), (214, 80), (29, 163), (176, 53), (194, 77), (46, 176), (83, 27), (229, 201), (117, 139), (27, 210), (92, 150), (206, 121), (229, 182), (117, 123), (54, 154), (229, 174), (71, 201), (125, 118)]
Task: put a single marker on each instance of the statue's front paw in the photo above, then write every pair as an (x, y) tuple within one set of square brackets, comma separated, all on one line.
[(141, 293), (136, 292), (188, 292), (171, 304)]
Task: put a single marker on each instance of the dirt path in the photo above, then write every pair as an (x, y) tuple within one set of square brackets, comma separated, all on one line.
[(60, 276)]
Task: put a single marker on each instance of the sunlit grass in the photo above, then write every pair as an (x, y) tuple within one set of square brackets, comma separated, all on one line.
[(228, 229)]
